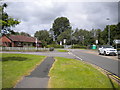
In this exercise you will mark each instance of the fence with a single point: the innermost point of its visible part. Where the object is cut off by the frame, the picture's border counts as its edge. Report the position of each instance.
(23, 49)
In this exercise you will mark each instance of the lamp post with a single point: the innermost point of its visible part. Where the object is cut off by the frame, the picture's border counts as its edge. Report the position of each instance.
(108, 33)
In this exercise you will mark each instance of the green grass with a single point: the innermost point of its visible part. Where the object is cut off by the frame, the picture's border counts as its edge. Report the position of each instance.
(62, 50)
(70, 73)
(0, 73)
(15, 66)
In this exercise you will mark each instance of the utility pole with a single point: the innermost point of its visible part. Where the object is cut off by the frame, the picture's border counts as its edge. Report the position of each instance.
(108, 33)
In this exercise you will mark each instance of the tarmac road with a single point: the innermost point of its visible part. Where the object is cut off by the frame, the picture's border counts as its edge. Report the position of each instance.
(103, 62)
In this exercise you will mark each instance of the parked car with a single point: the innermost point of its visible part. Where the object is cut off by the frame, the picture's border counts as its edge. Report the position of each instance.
(107, 50)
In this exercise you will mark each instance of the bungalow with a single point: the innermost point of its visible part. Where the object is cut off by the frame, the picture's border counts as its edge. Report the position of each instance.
(19, 41)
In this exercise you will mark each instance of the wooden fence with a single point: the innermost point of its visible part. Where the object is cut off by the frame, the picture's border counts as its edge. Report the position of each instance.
(23, 49)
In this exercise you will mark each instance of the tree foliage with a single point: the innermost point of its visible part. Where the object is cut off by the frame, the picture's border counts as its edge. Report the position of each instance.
(19, 33)
(6, 22)
(90, 36)
(60, 25)
(65, 35)
(44, 36)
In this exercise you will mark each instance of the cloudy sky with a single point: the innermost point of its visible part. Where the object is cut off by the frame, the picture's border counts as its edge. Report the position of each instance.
(39, 15)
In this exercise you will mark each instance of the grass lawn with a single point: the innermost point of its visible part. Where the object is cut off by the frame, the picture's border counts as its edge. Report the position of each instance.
(62, 50)
(70, 73)
(0, 74)
(14, 66)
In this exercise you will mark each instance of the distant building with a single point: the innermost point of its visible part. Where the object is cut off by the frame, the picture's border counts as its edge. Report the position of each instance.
(19, 41)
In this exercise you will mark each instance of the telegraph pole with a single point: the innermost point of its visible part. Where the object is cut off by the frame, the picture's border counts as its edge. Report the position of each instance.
(108, 33)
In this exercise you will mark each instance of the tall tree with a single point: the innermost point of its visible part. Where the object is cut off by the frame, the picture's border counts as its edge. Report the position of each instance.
(65, 35)
(43, 35)
(6, 22)
(60, 25)
(25, 34)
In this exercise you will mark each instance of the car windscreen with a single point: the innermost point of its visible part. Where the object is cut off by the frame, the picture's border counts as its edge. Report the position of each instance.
(108, 47)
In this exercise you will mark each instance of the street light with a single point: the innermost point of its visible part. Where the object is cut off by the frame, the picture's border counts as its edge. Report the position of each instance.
(108, 33)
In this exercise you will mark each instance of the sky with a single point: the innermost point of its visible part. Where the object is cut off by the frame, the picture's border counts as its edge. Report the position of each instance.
(40, 14)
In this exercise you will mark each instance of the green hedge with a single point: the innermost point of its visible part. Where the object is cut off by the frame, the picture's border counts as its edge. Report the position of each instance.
(78, 46)
(118, 49)
(55, 46)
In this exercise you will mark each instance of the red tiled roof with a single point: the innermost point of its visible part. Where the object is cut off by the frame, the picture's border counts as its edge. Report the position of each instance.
(22, 38)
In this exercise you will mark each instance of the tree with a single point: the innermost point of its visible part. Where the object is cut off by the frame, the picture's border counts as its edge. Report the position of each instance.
(25, 34)
(43, 35)
(19, 33)
(114, 33)
(82, 37)
(60, 25)
(6, 21)
(65, 35)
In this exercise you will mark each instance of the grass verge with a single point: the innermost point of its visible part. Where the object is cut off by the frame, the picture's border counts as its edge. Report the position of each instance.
(14, 66)
(70, 73)
(62, 50)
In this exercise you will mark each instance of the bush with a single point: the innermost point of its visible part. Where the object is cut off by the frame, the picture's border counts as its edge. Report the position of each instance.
(78, 46)
(55, 46)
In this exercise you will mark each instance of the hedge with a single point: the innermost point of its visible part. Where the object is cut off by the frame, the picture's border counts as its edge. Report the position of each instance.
(55, 46)
(78, 46)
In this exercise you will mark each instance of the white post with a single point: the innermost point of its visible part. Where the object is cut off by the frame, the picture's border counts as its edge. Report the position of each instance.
(64, 42)
(36, 43)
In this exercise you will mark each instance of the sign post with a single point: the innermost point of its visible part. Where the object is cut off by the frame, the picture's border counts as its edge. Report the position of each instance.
(64, 42)
(116, 42)
(36, 43)
(96, 42)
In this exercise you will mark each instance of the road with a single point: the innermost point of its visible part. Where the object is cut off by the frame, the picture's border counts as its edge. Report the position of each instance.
(108, 64)
(103, 62)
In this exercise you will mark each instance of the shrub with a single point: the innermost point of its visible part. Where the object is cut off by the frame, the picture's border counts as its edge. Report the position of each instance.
(55, 46)
(78, 46)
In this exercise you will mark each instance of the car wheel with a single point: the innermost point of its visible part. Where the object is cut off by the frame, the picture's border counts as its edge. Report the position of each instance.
(99, 52)
(105, 53)
(115, 54)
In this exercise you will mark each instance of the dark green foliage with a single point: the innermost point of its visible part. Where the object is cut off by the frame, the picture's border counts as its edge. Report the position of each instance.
(44, 36)
(19, 33)
(65, 35)
(55, 46)
(6, 21)
(60, 25)
(114, 34)
(79, 46)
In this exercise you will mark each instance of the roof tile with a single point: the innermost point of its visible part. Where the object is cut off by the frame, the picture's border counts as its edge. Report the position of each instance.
(22, 38)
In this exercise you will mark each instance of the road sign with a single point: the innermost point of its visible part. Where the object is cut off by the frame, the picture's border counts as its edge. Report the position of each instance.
(64, 41)
(96, 41)
(116, 41)
(60, 42)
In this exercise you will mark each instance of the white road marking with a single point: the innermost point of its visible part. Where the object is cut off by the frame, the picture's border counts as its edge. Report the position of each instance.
(75, 55)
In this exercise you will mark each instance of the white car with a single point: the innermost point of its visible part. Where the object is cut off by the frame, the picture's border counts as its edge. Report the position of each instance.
(107, 50)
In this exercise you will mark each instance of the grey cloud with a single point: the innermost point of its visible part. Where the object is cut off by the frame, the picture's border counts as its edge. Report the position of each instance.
(36, 16)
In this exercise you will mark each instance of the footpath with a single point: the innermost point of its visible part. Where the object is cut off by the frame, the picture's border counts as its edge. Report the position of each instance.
(39, 77)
